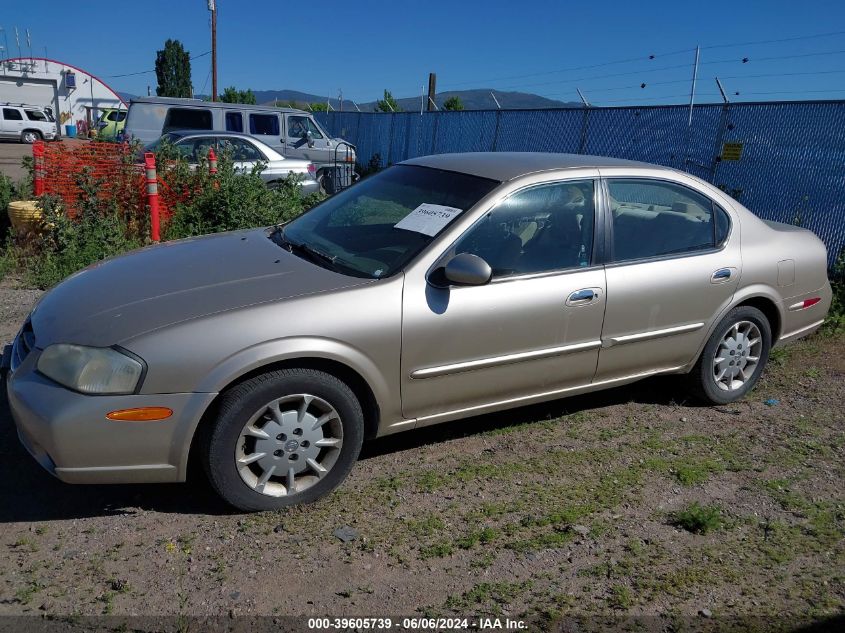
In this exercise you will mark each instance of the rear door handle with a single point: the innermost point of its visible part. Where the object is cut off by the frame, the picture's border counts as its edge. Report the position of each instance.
(582, 297)
(721, 275)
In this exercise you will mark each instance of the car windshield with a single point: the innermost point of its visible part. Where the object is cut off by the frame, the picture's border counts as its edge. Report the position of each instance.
(376, 227)
(169, 138)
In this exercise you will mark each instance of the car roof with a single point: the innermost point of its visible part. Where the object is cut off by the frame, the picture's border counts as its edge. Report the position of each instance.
(505, 166)
(183, 133)
(179, 101)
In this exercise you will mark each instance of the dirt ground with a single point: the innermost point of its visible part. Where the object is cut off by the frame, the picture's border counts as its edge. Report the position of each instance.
(569, 509)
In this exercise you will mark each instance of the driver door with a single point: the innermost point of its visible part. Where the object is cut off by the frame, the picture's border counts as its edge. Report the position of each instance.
(534, 330)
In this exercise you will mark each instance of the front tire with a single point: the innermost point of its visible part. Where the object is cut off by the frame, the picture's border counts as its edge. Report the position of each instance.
(30, 136)
(734, 357)
(282, 438)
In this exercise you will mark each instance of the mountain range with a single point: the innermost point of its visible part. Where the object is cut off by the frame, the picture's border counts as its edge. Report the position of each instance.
(477, 99)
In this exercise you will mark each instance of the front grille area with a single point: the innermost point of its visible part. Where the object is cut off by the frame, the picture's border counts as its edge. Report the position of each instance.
(24, 342)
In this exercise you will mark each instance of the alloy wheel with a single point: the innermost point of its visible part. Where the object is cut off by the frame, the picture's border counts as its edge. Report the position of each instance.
(289, 445)
(737, 356)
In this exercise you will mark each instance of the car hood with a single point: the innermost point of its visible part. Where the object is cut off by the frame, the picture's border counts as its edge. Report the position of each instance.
(125, 296)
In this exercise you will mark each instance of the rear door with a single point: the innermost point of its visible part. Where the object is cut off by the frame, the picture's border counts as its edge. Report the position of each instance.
(673, 267)
(13, 123)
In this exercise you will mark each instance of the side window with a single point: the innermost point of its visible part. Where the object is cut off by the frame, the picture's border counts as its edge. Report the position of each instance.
(111, 116)
(723, 225)
(121, 116)
(264, 124)
(544, 228)
(11, 114)
(240, 149)
(187, 119)
(299, 126)
(234, 122)
(653, 218)
(35, 115)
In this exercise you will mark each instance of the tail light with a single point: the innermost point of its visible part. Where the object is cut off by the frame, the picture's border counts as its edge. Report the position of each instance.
(312, 169)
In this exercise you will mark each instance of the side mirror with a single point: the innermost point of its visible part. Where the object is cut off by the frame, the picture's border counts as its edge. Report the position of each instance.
(309, 138)
(467, 269)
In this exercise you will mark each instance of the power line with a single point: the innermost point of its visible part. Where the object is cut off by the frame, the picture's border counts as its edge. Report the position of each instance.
(144, 72)
(651, 57)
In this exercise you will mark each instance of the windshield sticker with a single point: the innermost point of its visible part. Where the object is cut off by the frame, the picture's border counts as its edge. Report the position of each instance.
(428, 219)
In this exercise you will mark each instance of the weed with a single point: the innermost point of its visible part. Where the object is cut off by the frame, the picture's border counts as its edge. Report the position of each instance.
(698, 519)
(484, 536)
(621, 597)
(427, 526)
(437, 550)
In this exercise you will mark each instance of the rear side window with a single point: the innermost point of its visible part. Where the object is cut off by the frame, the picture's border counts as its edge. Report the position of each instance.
(653, 218)
(723, 225)
(10, 114)
(264, 124)
(234, 122)
(35, 115)
(116, 116)
(187, 119)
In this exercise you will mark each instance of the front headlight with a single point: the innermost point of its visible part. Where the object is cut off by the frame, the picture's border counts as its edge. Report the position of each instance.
(95, 370)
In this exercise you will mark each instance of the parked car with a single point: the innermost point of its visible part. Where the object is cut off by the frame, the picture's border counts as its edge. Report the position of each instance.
(26, 123)
(441, 288)
(111, 123)
(292, 133)
(246, 153)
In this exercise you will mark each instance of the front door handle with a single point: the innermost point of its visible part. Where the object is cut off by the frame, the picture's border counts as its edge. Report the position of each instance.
(582, 297)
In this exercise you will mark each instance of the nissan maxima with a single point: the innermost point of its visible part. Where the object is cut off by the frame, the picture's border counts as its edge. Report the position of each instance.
(438, 289)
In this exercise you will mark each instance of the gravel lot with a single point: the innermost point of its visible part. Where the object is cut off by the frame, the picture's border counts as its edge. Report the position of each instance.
(547, 512)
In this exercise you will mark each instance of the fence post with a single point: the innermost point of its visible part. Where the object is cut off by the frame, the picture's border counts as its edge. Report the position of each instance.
(212, 161)
(152, 195)
(38, 168)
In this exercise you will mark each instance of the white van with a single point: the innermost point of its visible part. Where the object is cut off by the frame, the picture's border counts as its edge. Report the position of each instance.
(27, 123)
(291, 132)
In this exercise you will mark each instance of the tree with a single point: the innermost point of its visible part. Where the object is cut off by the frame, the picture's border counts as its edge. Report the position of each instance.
(233, 95)
(319, 107)
(453, 103)
(388, 104)
(173, 70)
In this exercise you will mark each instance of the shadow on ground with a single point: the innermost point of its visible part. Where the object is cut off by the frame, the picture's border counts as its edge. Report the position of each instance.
(31, 494)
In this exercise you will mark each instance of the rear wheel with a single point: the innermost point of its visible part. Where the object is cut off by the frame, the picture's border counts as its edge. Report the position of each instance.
(733, 358)
(283, 438)
(30, 136)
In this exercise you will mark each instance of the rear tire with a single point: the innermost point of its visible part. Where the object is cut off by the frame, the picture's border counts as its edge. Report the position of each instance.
(734, 357)
(283, 438)
(30, 136)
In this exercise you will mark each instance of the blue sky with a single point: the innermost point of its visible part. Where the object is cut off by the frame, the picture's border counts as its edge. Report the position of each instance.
(364, 46)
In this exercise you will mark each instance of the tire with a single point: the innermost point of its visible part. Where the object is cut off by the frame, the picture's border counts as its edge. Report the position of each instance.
(30, 136)
(324, 179)
(293, 440)
(736, 337)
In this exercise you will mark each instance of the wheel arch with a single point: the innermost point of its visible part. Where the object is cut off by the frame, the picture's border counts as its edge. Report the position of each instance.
(38, 133)
(350, 376)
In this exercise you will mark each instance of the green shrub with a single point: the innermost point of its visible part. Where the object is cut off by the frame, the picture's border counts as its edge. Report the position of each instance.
(698, 519)
(836, 317)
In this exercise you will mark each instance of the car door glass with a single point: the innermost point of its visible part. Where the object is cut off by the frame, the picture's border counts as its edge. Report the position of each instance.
(35, 115)
(187, 119)
(234, 122)
(540, 229)
(299, 126)
(187, 149)
(10, 114)
(240, 150)
(654, 218)
(267, 124)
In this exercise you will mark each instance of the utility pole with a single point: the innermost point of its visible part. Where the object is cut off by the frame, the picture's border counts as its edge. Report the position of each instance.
(432, 88)
(212, 6)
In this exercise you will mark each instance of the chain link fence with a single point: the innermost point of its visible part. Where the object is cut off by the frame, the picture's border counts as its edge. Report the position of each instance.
(783, 160)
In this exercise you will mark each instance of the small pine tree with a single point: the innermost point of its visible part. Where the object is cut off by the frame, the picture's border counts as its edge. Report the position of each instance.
(388, 104)
(173, 70)
(453, 103)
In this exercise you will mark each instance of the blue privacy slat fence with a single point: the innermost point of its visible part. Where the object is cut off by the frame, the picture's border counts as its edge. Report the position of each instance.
(792, 167)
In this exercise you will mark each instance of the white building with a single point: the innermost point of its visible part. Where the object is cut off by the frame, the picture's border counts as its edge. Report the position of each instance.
(76, 97)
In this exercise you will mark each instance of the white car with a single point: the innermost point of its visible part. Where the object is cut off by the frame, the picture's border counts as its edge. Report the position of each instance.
(246, 152)
(26, 123)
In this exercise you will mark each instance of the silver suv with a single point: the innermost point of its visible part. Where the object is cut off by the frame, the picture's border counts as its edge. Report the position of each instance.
(26, 123)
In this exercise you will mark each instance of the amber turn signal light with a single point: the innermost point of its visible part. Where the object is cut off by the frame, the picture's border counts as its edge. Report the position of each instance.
(142, 414)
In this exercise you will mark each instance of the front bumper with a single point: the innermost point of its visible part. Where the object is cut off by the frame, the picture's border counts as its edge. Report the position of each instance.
(69, 435)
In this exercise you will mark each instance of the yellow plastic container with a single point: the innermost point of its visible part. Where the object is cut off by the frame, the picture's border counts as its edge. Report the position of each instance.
(25, 215)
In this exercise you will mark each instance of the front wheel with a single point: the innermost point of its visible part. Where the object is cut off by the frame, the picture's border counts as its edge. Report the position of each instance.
(733, 358)
(30, 136)
(282, 438)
